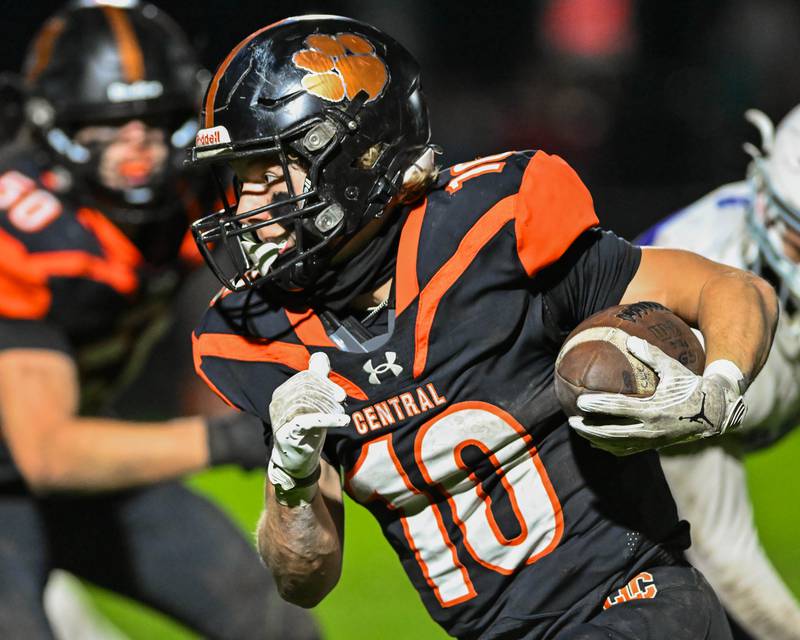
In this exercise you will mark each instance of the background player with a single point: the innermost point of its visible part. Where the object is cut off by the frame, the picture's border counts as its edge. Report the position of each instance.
(438, 324)
(753, 224)
(95, 211)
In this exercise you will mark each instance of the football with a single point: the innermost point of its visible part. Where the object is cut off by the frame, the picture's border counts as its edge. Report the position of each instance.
(594, 357)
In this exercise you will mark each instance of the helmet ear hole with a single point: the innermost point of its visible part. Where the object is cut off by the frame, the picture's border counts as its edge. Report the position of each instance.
(370, 157)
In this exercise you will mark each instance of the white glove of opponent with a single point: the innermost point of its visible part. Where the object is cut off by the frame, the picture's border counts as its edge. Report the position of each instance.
(301, 411)
(684, 407)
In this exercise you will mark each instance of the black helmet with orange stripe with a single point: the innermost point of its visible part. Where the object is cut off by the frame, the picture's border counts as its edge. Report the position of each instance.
(98, 63)
(335, 95)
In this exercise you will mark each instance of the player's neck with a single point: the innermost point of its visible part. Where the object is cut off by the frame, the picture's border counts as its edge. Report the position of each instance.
(373, 298)
(357, 243)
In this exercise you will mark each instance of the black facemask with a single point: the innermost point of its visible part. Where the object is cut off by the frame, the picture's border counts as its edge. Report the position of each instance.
(338, 285)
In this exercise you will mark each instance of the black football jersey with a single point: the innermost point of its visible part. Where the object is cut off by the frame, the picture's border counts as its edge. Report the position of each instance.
(72, 281)
(505, 520)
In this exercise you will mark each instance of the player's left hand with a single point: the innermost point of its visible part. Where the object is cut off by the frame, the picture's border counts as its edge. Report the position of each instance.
(684, 407)
(301, 411)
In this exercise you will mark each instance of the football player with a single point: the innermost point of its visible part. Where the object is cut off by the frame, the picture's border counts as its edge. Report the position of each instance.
(94, 214)
(752, 224)
(398, 330)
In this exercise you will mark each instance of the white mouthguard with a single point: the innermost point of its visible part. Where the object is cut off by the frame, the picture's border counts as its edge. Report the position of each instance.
(262, 254)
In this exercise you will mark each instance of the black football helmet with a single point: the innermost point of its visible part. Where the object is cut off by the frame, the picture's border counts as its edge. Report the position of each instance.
(97, 63)
(323, 90)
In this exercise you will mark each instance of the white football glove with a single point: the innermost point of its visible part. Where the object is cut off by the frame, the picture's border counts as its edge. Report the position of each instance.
(684, 407)
(301, 411)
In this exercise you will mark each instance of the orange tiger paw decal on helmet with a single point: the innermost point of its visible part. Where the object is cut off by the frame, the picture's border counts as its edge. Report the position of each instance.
(341, 66)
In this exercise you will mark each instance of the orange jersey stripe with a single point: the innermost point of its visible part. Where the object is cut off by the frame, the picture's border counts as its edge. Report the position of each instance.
(350, 388)
(116, 268)
(43, 48)
(553, 209)
(79, 264)
(475, 239)
(294, 356)
(24, 293)
(234, 347)
(130, 53)
(115, 244)
(20, 301)
(197, 357)
(406, 284)
(309, 329)
(213, 86)
(30, 271)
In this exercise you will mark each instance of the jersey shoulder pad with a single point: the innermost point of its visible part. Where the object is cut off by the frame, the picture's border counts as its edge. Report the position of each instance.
(244, 348)
(501, 174)
(536, 199)
(714, 226)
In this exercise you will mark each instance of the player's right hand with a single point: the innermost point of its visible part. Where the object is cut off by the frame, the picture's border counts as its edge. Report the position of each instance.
(684, 407)
(301, 411)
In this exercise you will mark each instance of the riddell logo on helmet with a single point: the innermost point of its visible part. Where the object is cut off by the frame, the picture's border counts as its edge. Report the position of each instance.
(214, 135)
(341, 66)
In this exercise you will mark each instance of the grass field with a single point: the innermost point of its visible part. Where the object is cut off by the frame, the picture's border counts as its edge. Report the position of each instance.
(374, 599)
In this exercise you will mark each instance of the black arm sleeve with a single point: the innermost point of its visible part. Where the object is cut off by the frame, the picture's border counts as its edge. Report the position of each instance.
(32, 334)
(592, 275)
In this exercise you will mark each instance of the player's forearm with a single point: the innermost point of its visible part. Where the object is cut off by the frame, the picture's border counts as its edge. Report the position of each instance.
(95, 454)
(302, 547)
(737, 314)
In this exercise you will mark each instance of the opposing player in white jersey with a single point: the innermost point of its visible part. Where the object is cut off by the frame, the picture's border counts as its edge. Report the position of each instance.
(752, 224)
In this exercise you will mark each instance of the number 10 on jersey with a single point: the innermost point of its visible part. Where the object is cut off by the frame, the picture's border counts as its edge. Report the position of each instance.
(438, 454)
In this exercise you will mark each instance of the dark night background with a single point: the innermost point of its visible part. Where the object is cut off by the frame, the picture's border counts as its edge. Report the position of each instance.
(645, 99)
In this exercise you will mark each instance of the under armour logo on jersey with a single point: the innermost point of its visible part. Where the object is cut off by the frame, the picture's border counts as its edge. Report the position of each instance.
(389, 365)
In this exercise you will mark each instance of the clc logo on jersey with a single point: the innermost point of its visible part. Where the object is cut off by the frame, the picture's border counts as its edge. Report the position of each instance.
(390, 366)
(641, 587)
(341, 66)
